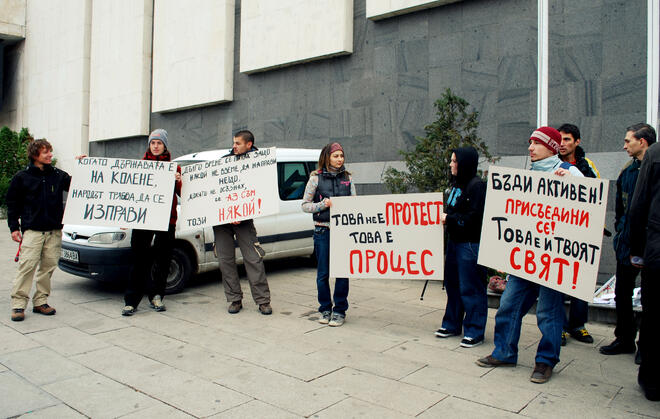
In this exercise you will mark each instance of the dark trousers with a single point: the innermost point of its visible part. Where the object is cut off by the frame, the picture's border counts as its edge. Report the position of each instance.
(626, 329)
(649, 344)
(578, 314)
(340, 296)
(465, 282)
(142, 280)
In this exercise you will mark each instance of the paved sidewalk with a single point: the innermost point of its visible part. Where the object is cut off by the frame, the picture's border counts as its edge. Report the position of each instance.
(197, 360)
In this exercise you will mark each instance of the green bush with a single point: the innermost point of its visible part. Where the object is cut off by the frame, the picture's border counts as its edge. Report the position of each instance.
(13, 157)
(428, 164)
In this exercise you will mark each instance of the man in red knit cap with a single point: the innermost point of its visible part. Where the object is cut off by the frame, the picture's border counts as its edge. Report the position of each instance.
(520, 294)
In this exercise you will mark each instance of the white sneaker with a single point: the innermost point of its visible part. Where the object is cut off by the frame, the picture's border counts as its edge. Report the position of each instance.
(336, 320)
(325, 317)
(128, 310)
(157, 304)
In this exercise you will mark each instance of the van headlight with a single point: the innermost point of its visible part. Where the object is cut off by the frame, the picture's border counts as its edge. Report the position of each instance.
(107, 238)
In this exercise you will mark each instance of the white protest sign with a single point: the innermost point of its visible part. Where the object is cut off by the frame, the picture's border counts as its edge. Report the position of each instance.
(121, 193)
(387, 236)
(232, 188)
(545, 228)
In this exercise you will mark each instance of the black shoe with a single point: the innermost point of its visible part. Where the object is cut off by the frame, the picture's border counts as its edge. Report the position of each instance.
(444, 333)
(651, 393)
(582, 335)
(617, 347)
(638, 358)
(563, 338)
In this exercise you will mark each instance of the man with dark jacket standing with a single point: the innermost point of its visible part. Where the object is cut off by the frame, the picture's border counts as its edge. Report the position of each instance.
(638, 139)
(571, 152)
(35, 206)
(253, 253)
(645, 254)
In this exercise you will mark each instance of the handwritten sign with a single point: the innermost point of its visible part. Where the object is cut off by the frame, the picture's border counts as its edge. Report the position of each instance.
(121, 193)
(229, 189)
(387, 236)
(545, 228)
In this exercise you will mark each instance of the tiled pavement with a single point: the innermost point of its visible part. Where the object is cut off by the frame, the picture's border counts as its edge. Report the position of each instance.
(197, 360)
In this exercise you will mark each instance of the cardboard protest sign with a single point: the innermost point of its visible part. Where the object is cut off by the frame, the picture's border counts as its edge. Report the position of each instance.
(387, 236)
(545, 228)
(121, 193)
(232, 188)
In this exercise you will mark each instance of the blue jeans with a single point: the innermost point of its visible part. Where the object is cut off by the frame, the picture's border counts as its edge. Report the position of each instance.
(465, 282)
(518, 297)
(322, 251)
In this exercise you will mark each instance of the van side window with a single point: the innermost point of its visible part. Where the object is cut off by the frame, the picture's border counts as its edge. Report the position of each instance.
(292, 179)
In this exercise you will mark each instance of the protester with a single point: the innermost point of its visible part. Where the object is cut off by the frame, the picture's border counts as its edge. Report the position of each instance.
(330, 180)
(571, 152)
(35, 206)
(645, 254)
(636, 142)
(520, 295)
(142, 279)
(464, 280)
(253, 253)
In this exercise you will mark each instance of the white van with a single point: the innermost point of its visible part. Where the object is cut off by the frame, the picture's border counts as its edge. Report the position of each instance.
(105, 253)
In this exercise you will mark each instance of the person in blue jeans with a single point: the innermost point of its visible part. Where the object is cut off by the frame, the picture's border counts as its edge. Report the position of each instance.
(330, 180)
(464, 280)
(520, 294)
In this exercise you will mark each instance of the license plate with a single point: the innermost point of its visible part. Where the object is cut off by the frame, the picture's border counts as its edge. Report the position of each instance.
(70, 255)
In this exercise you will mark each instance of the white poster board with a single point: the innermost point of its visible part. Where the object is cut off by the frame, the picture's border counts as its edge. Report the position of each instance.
(121, 193)
(229, 189)
(387, 236)
(545, 228)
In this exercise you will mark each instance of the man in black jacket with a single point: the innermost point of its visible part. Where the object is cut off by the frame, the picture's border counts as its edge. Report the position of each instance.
(35, 206)
(571, 152)
(645, 254)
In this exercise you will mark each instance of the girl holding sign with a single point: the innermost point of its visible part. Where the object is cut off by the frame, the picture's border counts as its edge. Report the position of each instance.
(142, 281)
(330, 180)
(465, 281)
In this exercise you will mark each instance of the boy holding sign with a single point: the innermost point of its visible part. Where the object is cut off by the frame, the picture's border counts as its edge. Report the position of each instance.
(520, 294)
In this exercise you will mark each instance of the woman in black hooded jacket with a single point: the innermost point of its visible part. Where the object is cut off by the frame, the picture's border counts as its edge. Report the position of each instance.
(465, 281)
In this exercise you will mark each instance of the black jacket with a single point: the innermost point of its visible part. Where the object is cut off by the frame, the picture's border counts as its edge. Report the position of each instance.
(466, 199)
(644, 210)
(35, 199)
(582, 164)
(330, 184)
(238, 156)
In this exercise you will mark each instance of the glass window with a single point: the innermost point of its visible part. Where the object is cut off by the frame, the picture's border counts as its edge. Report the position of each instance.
(292, 179)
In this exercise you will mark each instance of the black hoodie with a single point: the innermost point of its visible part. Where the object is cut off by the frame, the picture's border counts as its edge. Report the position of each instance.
(466, 199)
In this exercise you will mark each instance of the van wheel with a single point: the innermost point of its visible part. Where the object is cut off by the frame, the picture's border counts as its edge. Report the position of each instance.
(180, 271)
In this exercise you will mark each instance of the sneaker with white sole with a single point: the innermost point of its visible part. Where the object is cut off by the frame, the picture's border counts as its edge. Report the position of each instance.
(336, 320)
(325, 317)
(444, 333)
(157, 304)
(128, 310)
(467, 342)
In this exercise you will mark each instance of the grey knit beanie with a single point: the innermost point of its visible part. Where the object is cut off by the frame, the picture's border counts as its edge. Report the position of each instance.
(158, 134)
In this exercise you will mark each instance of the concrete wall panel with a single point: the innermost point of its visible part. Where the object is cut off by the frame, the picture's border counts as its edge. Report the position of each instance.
(284, 32)
(193, 53)
(12, 19)
(56, 75)
(380, 9)
(120, 69)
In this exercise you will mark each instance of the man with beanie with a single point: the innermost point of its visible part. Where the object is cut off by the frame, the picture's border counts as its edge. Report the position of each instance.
(571, 152)
(638, 139)
(253, 253)
(520, 294)
(645, 254)
(35, 206)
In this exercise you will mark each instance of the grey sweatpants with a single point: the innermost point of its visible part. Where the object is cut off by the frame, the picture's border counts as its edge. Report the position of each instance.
(253, 254)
